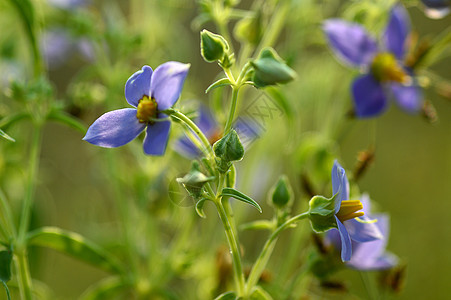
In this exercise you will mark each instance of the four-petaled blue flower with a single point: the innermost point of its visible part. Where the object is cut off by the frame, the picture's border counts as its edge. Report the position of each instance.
(246, 129)
(150, 93)
(370, 255)
(385, 75)
(437, 9)
(346, 212)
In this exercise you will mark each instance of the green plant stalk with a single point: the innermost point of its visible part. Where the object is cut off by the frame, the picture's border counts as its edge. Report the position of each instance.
(8, 229)
(8, 296)
(31, 184)
(194, 128)
(21, 243)
(266, 252)
(23, 272)
(234, 247)
(232, 109)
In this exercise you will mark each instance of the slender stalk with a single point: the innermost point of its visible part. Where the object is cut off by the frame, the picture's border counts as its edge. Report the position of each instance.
(267, 250)
(31, 184)
(228, 125)
(234, 248)
(8, 229)
(23, 271)
(194, 128)
(8, 296)
(21, 247)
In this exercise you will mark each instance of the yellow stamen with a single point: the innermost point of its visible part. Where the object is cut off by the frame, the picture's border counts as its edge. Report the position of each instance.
(146, 110)
(386, 68)
(349, 209)
(366, 221)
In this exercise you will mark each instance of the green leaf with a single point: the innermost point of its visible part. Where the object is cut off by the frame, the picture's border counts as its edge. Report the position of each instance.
(258, 225)
(6, 257)
(6, 136)
(260, 294)
(218, 83)
(67, 120)
(105, 289)
(227, 296)
(200, 207)
(229, 192)
(75, 245)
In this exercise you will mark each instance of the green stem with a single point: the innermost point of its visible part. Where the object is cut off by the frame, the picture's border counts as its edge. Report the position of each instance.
(31, 184)
(8, 228)
(193, 127)
(264, 256)
(228, 125)
(24, 275)
(234, 248)
(8, 296)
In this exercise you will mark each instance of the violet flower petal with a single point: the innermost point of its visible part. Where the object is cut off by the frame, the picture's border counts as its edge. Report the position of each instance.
(138, 85)
(409, 98)
(340, 184)
(185, 147)
(397, 30)
(167, 82)
(363, 232)
(157, 136)
(114, 128)
(351, 42)
(346, 247)
(369, 97)
(206, 121)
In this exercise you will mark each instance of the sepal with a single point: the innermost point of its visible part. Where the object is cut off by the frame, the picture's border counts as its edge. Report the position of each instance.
(213, 47)
(227, 150)
(322, 213)
(270, 69)
(194, 181)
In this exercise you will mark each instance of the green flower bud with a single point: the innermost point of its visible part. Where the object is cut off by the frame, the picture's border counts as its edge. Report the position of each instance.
(270, 69)
(194, 180)
(228, 149)
(322, 213)
(282, 193)
(213, 47)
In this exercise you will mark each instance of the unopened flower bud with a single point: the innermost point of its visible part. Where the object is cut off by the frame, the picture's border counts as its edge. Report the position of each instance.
(213, 47)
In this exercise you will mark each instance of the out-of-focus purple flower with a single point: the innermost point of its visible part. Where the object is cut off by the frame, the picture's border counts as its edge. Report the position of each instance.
(370, 255)
(385, 74)
(150, 93)
(58, 46)
(67, 4)
(437, 9)
(246, 129)
(346, 212)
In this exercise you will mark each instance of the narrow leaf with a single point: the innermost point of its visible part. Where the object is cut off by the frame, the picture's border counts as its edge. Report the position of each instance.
(240, 196)
(219, 83)
(200, 207)
(258, 225)
(67, 120)
(260, 294)
(75, 245)
(105, 289)
(227, 296)
(6, 136)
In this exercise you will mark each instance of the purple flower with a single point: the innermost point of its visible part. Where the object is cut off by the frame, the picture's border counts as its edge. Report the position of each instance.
(150, 93)
(346, 212)
(437, 9)
(385, 75)
(246, 129)
(370, 255)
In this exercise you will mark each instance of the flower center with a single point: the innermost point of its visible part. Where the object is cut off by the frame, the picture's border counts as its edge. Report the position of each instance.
(349, 210)
(147, 110)
(386, 68)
